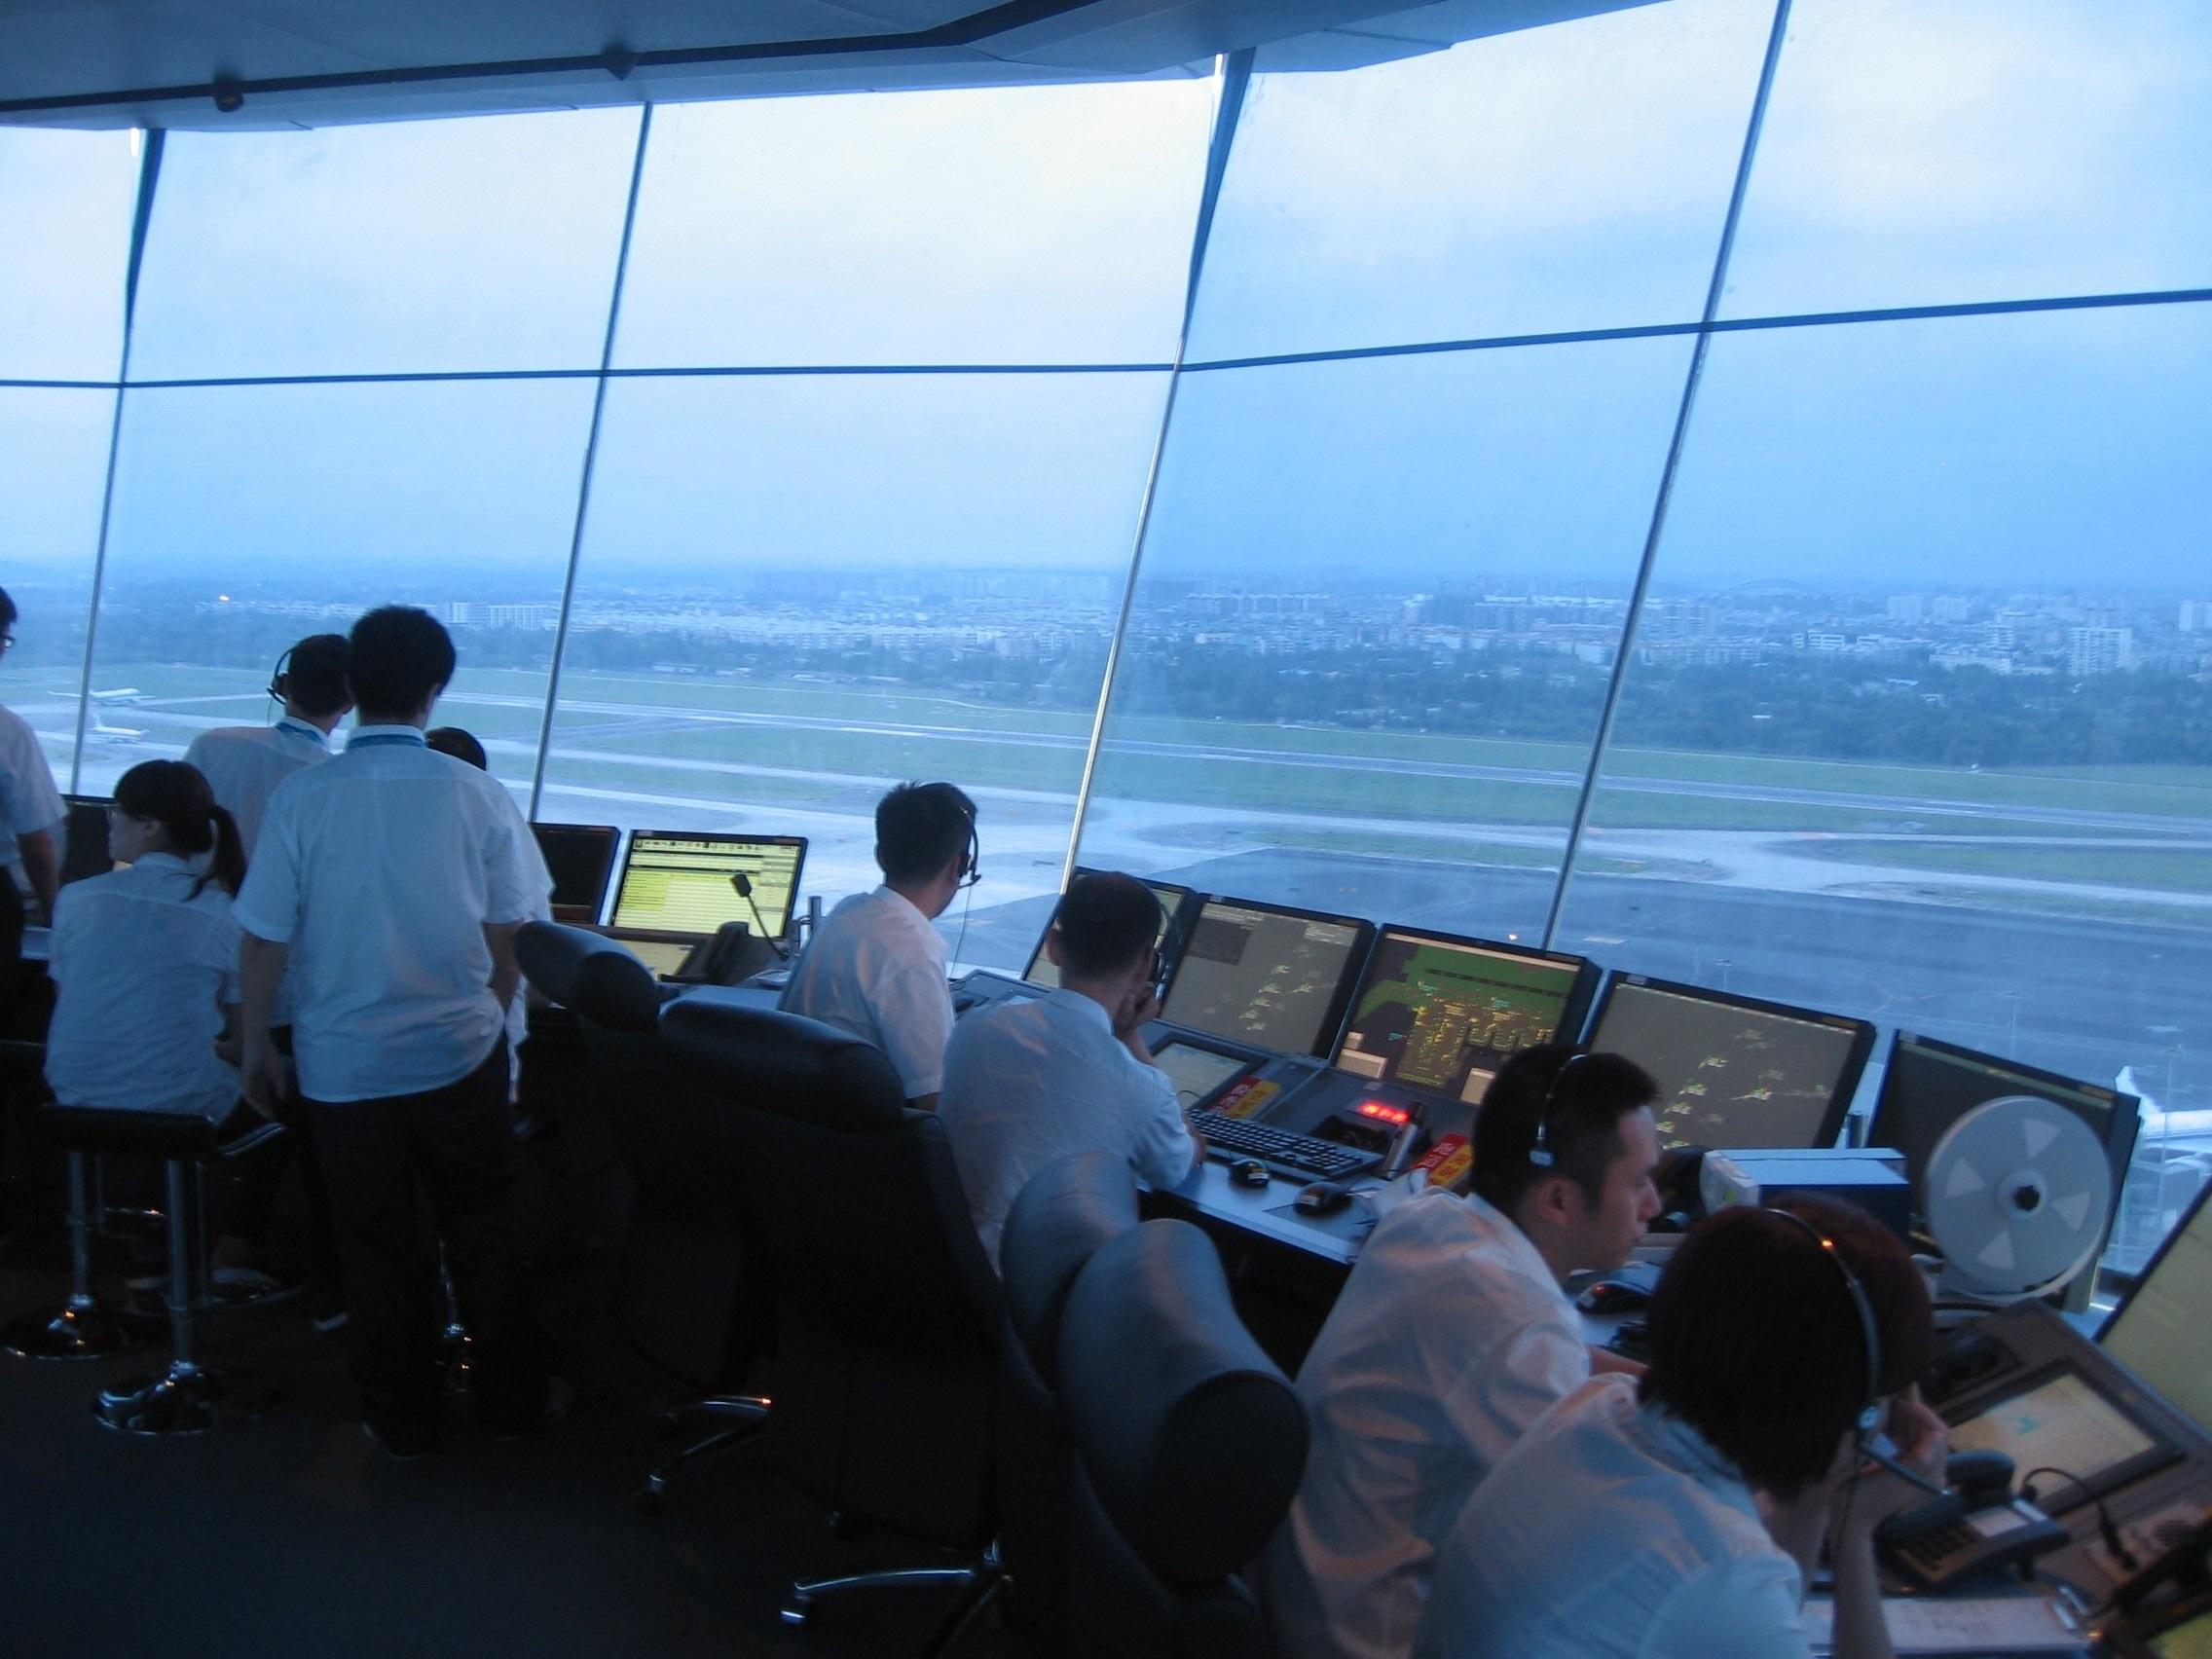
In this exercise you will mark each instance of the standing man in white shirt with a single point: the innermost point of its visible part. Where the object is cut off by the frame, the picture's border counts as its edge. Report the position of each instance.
(1030, 1081)
(875, 967)
(389, 879)
(243, 764)
(1452, 1336)
(30, 806)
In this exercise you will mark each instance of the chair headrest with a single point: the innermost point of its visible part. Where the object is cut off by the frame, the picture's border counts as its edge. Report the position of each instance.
(1192, 1438)
(782, 1063)
(589, 973)
(1060, 1217)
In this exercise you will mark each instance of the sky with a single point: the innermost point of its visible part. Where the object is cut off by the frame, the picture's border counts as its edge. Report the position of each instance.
(1916, 152)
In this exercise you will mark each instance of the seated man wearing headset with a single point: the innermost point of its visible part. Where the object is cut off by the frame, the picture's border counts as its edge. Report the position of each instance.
(875, 967)
(1681, 1514)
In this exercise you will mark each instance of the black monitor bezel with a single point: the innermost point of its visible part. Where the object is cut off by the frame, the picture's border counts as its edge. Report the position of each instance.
(1854, 1057)
(1171, 942)
(1572, 1011)
(2157, 1260)
(607, 866)
(71, 804)
(1331, 1029)
(799, 867)
(2118, 1137)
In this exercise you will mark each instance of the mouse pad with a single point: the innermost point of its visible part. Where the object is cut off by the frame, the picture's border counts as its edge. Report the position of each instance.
(1353, 1223)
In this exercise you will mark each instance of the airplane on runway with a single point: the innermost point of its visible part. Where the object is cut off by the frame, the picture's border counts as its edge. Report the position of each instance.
(100, 731)
(128, 696)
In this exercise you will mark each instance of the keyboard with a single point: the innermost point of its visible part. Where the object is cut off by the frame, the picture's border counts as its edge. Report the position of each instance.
(1307, 1158)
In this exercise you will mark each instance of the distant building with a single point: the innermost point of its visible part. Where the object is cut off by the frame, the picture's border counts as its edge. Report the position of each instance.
(2099, 650)
(2195, 616)
(1906, 608)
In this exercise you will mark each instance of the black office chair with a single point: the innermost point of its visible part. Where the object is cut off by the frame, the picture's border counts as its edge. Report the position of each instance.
(887, 1311)
(693, 1293)
(1058, 1221)
(1189, 1446)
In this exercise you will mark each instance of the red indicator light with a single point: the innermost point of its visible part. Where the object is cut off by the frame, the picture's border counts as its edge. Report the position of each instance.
(1388, 1113)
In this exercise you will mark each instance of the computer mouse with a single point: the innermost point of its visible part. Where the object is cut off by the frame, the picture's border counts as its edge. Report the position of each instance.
(1323, 1197)
(1250, 1172)
(1613, 1296)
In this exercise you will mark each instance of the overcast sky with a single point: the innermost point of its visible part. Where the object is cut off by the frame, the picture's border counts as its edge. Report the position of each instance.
(1567, 179)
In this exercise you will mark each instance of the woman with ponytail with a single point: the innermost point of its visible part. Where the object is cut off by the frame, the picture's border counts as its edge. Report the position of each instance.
(145, 958)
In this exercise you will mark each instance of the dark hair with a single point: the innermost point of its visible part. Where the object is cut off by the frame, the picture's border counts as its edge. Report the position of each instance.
(175, 795)
(920, 829)
(397, 659)
(1582, 1127)
(1105, 924)
(6, 611)
(460, 745)
(315, 675)
(1757, 1344)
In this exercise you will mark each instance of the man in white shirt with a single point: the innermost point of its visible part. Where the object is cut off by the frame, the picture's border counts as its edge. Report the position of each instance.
(29, 805)
(389, 878)
(243, 764)
(1030, 1081)
(1679, 1516)
(875, 967)
(1449, 1339)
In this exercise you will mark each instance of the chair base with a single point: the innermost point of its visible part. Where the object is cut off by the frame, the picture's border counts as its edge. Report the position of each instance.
(746, 1412)
(799, 1606)
(183, 1400)
(84, 1328)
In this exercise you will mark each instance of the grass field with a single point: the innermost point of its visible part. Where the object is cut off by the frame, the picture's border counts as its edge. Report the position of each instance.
(1302, 770)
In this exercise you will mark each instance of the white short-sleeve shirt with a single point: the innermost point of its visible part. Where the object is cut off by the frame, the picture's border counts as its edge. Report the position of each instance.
(380, 869)
(244, 765)
(143, 969)
(1028, 1082)
(29, 801)
(875, 968)
(1613, 1530)
(1450, 1339)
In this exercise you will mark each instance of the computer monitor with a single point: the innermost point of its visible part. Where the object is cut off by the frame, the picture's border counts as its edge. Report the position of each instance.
(1442, 1013)
(2159, 1331)
(1734, 1071)
(1267, 976)
(678, 881)
(1198, 1074)
(1930, 1084)
(2060, 1417)
(84, 837)
(580, 858)
(1169, 941)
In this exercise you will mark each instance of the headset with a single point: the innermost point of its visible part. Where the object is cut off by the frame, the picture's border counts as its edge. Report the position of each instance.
(1539, 1150)
(973, 870)
(276, 675)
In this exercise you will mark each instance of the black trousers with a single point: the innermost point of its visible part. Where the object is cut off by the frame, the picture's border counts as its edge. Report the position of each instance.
(380, 1159)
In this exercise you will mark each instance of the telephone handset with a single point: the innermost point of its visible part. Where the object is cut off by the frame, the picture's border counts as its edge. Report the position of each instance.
(1976, 1524)
(730, 956)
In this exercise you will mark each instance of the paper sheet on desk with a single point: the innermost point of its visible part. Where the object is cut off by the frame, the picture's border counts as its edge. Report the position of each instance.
(1985, 1625)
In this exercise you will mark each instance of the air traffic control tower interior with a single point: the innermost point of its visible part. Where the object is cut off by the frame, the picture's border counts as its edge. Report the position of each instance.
(1679, 525)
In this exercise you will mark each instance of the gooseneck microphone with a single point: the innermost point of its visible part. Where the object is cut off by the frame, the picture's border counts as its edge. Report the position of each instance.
(743, 885)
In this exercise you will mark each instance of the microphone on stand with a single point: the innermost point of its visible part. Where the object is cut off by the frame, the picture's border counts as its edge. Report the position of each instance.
(743, 885)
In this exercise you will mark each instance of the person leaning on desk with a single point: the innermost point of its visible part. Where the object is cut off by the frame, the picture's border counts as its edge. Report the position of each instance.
(1680, 1515)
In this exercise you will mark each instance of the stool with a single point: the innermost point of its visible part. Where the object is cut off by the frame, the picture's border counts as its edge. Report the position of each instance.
(184, 1398)
(84, 1328)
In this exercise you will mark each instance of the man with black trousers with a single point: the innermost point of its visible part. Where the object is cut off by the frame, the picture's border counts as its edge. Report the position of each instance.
(393, 881)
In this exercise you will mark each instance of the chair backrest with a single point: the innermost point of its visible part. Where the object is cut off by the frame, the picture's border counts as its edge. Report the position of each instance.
(1060, 1218)
(1189, 1446)
(886, 1308)
(694, 1296)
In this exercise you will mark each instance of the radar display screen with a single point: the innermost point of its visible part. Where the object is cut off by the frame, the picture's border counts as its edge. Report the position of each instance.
(1444, 1013)
(1733, 1072)
(1275, 978)
(679, 881)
